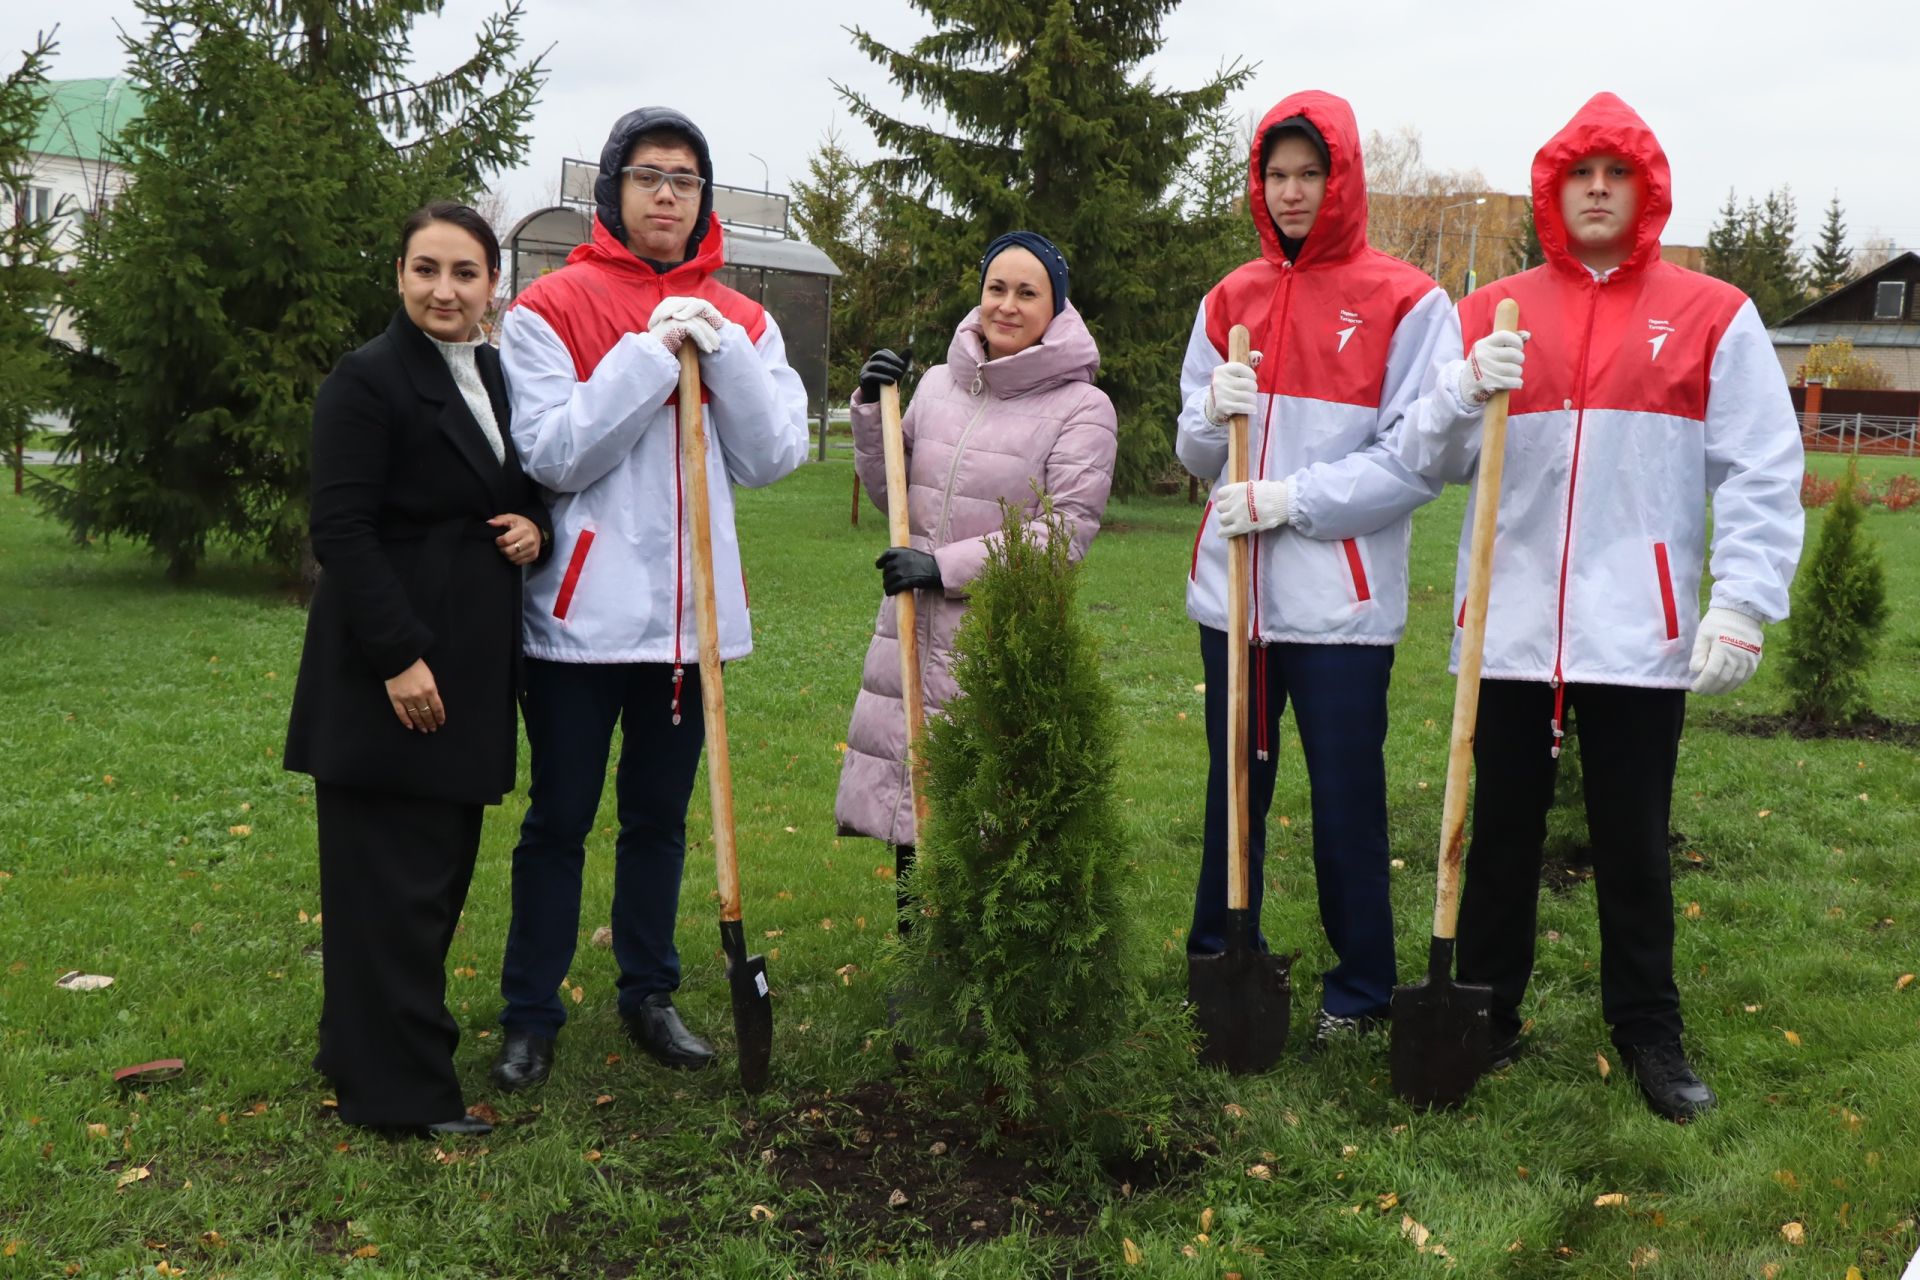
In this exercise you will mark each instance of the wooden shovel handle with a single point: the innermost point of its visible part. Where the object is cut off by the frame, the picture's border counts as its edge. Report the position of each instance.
(1473, 636)
(1239, 658)
(713, 698)
(905, 604)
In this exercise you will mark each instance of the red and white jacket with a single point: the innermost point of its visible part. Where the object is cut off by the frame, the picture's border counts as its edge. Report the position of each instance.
(1346, 334)
(1648, 390)
(596, 421)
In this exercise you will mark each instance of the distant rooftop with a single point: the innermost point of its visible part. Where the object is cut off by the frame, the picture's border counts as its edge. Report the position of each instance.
(82, 116)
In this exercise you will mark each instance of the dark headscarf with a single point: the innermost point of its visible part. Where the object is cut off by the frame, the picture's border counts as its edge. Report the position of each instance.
(1040, 247)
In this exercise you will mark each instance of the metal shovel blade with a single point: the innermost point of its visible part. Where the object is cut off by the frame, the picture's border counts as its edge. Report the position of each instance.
(752, 1007)
(1242, 1001)
(1440, 1037)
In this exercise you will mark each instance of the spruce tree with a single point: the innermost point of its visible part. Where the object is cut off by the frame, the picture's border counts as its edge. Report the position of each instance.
(1751, 247)
(1050, 126)
(837, 209)
(1017, 981)
(30, 369)
(282, 144)
(1839, 611)
(1831, 264)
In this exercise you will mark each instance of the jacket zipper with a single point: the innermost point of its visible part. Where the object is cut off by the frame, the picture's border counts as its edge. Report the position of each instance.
(1566, 539)
(953, 468)
(1277, 330)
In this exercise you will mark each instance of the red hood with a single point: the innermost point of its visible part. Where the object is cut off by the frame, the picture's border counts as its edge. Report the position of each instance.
(1609, 125)
(708, 258)
(1340, 231)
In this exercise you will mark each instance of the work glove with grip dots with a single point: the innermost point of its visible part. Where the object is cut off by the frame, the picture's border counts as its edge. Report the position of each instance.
(1493, 365)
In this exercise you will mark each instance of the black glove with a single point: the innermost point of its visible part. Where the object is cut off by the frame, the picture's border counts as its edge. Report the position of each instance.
(904, 569)
(882, 369)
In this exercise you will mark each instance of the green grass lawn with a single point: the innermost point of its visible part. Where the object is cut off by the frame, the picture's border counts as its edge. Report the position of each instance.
(147, 832)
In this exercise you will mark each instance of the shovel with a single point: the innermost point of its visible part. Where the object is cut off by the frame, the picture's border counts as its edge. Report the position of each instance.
(905, 604)
(746, 975)
(1440, 1027)
(1241, 998)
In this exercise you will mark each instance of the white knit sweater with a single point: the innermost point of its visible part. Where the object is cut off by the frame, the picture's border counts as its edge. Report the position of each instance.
(466, 376)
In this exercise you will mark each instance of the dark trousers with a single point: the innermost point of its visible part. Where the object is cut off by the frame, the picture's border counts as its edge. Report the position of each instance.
(1629, 745)
(394, 872)
(570, 709)
(1339, 694)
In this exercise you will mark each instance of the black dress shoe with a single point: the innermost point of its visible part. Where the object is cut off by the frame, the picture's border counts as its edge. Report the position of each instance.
(1670, 1086)
(523, 1061)
(657, 1029)
(1501, 1055)
(464, 1127)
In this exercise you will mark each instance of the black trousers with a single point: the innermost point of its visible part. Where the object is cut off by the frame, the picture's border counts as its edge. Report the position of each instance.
(1629, 746)
(394, 872)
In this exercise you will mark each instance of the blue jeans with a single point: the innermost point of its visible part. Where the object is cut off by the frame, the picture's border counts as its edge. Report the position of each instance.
(570, 710)
(1339, 694)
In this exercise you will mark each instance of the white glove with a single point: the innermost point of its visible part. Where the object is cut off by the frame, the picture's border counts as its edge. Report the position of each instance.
(1233, 391)
(685, 308)
(1250, 507)
(1726, 653)
(674, 332)
(1493, 365)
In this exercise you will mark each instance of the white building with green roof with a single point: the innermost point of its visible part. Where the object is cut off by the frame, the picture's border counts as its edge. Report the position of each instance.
(74, 169)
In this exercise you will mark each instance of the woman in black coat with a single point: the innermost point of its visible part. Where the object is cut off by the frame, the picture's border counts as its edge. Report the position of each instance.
(404, 712)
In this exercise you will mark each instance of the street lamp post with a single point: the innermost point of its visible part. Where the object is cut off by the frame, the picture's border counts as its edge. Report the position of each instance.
(1441, 234)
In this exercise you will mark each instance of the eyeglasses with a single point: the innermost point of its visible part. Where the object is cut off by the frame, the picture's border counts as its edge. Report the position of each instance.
(685, 186)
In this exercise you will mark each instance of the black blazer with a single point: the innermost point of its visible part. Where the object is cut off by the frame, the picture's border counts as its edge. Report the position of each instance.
(403, 484)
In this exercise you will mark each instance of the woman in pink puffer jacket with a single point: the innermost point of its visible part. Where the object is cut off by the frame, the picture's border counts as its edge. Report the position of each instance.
(1012, 409)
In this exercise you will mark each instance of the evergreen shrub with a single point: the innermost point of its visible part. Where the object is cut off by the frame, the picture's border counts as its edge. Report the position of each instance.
(1017, 985)
(1839, 611)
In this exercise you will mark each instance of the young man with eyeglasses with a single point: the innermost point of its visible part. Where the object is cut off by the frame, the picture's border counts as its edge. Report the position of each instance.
(591, 358)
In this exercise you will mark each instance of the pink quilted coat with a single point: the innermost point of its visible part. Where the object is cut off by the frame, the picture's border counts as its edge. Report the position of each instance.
(978, 431)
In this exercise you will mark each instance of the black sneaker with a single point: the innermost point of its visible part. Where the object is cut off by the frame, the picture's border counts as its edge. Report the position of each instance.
(1328, 1027)
(1670, 1086)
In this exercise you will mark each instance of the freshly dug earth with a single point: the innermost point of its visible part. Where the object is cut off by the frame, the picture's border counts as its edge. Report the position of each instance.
(1865, 728)
(900, 1176)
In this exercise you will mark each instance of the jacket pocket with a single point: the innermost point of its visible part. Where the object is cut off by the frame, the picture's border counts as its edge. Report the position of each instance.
(1666, 590)
(1193, 569)
(1357, 569)
(563, 601)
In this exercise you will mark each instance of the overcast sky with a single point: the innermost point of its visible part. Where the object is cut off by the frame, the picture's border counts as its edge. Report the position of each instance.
(1749, 95)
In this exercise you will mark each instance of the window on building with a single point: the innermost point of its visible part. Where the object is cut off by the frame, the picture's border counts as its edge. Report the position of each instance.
(39, 203)
(1890, 300)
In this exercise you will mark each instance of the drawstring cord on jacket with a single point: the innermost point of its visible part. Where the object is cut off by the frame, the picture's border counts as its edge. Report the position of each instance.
(1260, 700)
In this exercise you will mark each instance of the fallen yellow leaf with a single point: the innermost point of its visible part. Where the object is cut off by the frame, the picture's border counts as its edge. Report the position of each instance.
(1206, 1221)
(1387, 1200)
(1645, 1256)
(760, 1213)
(1611, 1200)
(1853, 1273)
(1234, 1111)
(1606, 1068)
(1793, 1038)
(96, 1131)
(131, 1176)
(240, 829)
(1260, 1171)
(1793, 1233)
(1904, 981)
(1693, 911)
(846, 972)
(367, 1251)
(1131, 1252)
(578, 994)
(592, 1157)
